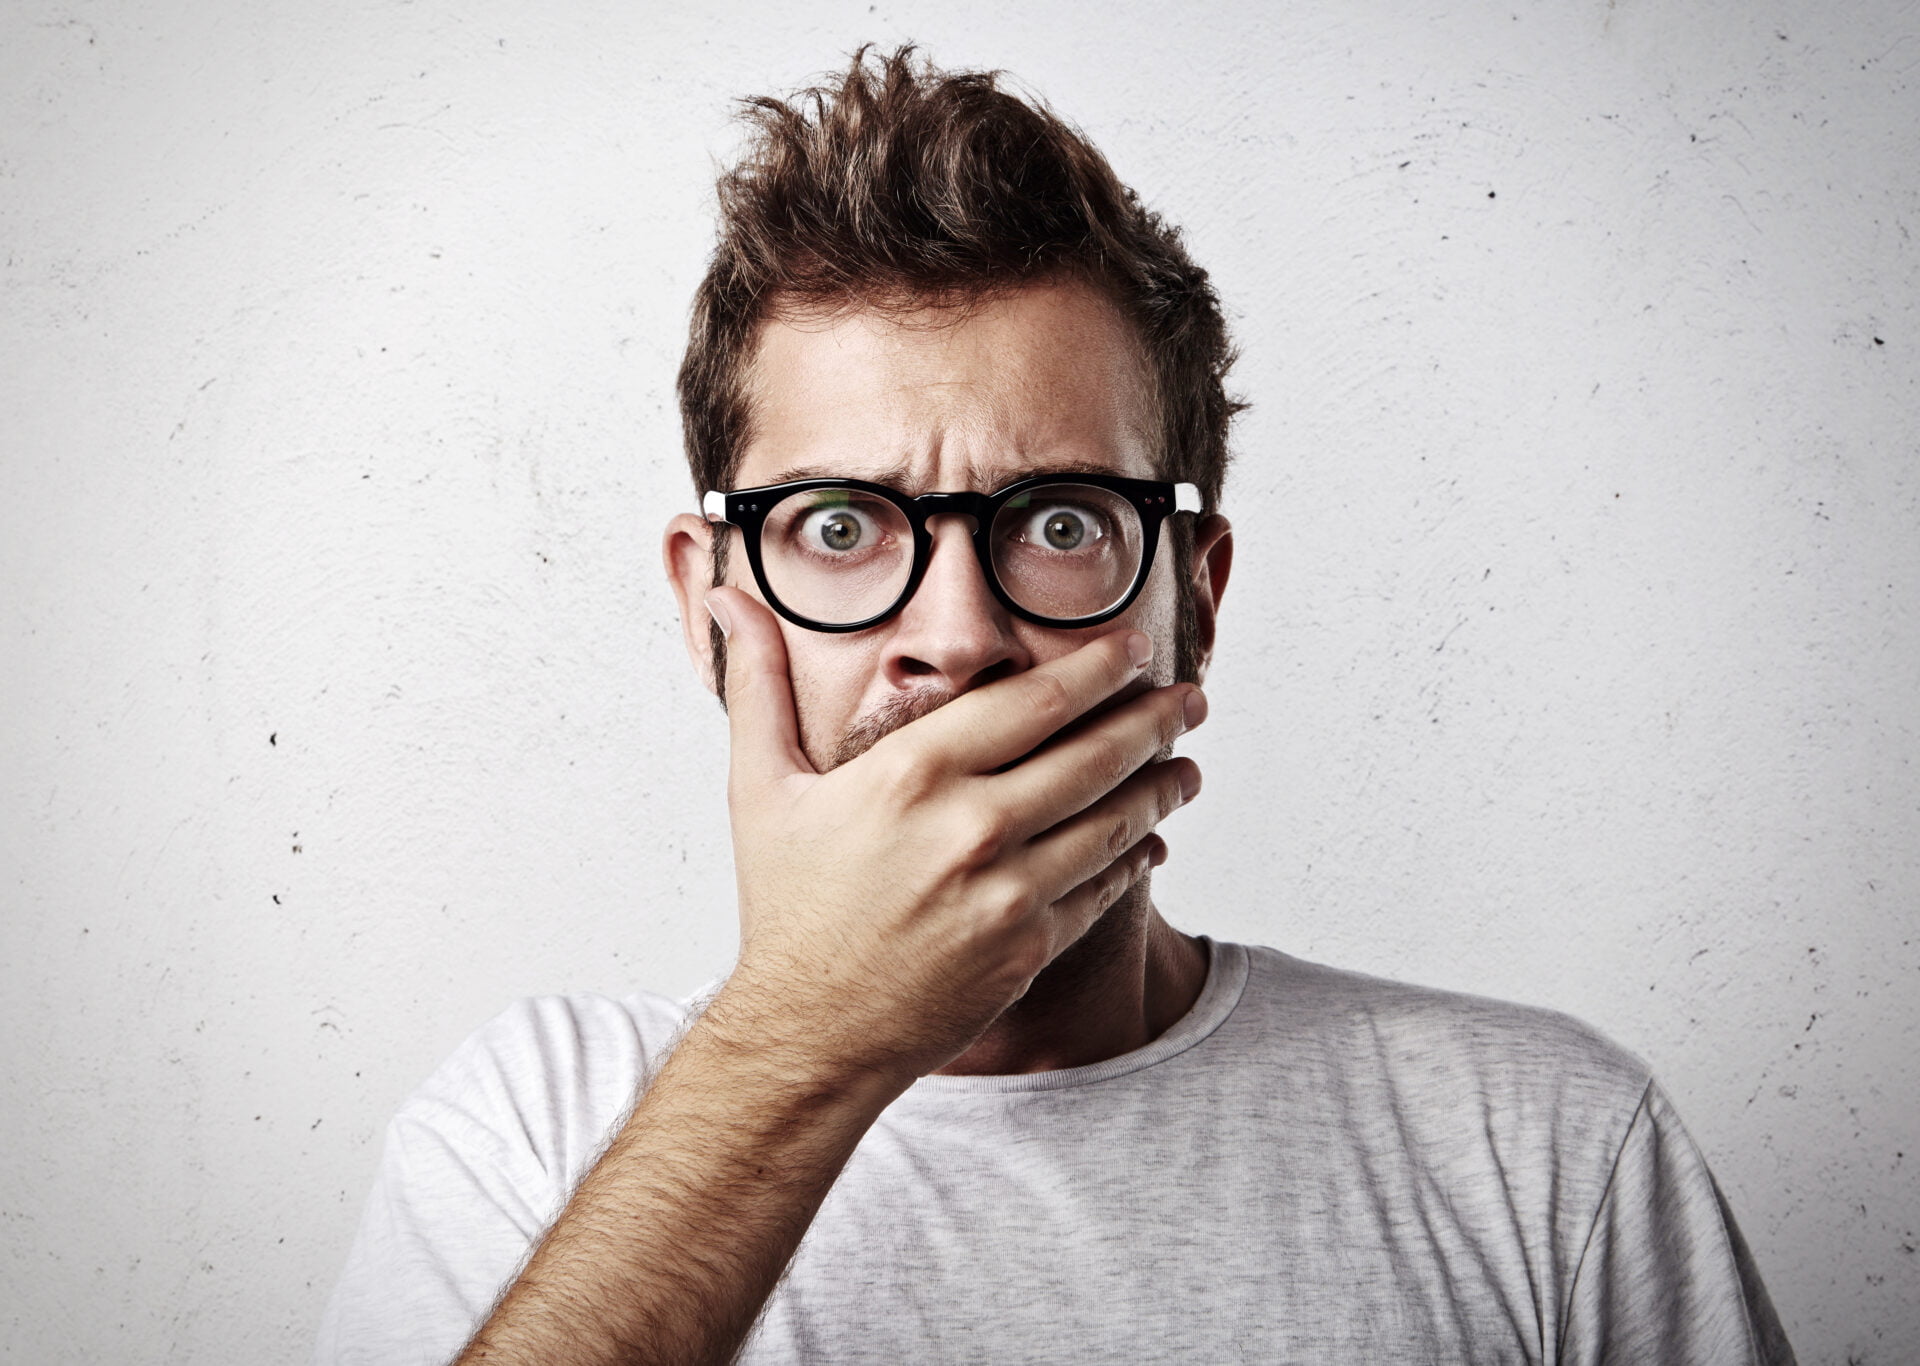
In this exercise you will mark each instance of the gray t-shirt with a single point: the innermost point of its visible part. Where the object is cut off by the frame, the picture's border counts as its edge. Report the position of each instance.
(1311, 1166)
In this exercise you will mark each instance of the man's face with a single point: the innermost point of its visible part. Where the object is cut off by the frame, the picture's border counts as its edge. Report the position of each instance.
(1046, 378)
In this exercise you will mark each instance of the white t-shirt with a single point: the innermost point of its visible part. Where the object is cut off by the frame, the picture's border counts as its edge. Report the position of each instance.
(1311, 1166)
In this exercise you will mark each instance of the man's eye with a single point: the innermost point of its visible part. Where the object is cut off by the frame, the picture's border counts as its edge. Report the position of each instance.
(1063, 527)
(837, 529)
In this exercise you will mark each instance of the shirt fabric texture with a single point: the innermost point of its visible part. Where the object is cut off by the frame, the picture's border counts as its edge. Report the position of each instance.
(1310, 1166)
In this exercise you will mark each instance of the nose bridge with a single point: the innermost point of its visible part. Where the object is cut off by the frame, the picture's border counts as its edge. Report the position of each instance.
(952, 550)
(971, 506)
(966, 512)
(953, 625)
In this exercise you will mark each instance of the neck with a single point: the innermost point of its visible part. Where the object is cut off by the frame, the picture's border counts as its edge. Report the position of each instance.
(1123, 984)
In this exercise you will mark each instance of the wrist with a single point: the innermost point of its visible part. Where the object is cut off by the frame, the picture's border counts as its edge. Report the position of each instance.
(756, 1029)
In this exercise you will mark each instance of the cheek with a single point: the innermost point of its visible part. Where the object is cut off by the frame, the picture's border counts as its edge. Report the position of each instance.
(1156, 612)
(832, 677)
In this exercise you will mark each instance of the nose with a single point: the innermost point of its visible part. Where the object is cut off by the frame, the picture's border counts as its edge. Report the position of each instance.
(953, 631)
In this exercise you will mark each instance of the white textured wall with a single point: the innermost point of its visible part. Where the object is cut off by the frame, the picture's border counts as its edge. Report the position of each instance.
(1572, 654)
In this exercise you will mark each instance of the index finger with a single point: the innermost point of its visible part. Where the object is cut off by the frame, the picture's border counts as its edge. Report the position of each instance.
(992, 726)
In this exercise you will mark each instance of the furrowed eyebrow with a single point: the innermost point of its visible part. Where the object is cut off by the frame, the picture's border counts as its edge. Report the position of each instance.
(903, 478)
(794, 473)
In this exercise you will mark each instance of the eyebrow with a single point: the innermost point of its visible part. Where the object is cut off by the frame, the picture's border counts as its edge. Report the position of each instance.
(902, 477)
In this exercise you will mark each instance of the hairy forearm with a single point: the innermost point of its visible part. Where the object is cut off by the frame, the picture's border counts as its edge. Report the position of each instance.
(674, 1240)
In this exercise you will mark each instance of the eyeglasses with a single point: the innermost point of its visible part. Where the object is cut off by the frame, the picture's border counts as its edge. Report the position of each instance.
(1056, 549)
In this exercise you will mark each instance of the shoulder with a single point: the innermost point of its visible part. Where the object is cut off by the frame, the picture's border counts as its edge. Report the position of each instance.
(479, 1159)
(1525, 1133)
(575, 1033)
(546, 1079)
(1517, 1114)
(1449, 1048)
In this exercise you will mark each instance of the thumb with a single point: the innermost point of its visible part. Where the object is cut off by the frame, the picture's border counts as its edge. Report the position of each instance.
(762, 726)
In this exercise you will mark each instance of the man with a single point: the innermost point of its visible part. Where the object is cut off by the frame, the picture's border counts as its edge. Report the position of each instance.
(954, 407)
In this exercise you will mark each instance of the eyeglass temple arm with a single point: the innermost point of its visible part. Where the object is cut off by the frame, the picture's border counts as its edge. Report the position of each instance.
(714, 504)
(1186, 498)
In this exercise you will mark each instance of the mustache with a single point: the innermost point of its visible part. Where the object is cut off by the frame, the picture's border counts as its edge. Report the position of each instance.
(906, 708)
(895, 712)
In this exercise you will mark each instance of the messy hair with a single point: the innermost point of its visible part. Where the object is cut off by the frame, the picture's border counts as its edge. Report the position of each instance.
(897, 186)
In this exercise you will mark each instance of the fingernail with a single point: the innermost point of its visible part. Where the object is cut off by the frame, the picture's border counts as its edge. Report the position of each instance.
(1139, 649)
(1194, 709)
(1189, 784)
(1158, 856)
(718, 611)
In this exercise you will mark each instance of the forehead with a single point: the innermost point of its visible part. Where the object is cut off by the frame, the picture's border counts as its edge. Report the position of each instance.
(1045, 377)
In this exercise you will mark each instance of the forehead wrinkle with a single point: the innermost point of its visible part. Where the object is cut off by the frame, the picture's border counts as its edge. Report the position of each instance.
(981, 477)
(978, 429)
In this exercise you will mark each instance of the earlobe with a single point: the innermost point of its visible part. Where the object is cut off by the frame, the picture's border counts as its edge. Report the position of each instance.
(687, 553)
(1212, 565)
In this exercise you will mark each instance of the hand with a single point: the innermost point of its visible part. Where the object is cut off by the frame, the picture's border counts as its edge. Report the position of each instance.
(892, 908)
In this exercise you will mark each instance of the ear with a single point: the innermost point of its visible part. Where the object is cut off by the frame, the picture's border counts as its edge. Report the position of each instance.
(1212, 563)
(687, 550)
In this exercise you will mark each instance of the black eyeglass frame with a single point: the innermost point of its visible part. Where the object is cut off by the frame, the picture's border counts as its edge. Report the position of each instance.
(1154, 499)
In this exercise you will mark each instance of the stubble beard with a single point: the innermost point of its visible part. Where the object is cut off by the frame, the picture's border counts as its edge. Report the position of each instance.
(869, 730)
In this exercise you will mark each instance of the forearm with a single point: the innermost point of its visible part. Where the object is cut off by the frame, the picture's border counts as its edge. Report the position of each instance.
(673, 1242)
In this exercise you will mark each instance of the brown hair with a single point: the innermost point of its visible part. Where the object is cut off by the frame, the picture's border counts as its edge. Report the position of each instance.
(901, 186)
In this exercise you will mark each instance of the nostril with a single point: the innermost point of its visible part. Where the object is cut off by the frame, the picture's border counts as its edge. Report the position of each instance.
(916, 667)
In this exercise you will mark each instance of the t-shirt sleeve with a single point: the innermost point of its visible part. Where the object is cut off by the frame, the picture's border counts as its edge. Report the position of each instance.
(475, 1166)
(1666, 1279)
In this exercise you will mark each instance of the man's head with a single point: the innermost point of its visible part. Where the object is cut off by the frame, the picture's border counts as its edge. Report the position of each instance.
(925, 281)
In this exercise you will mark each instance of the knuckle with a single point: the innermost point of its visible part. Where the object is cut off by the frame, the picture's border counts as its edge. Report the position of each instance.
(1114, 760)
(1120, 837)
(1050, 698)
(1006, 904)
(981, 837)
(904, 774)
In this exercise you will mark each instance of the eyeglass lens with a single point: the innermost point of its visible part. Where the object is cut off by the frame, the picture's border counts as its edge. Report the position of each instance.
(1061, 551)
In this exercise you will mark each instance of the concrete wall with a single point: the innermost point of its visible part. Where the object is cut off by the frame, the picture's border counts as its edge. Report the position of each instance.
(1571, 656)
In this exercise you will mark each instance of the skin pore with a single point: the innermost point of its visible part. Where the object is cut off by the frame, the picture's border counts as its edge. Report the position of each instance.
(1047, 377)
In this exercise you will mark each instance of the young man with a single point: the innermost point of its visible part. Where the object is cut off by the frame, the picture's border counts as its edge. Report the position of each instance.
(954, 407)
